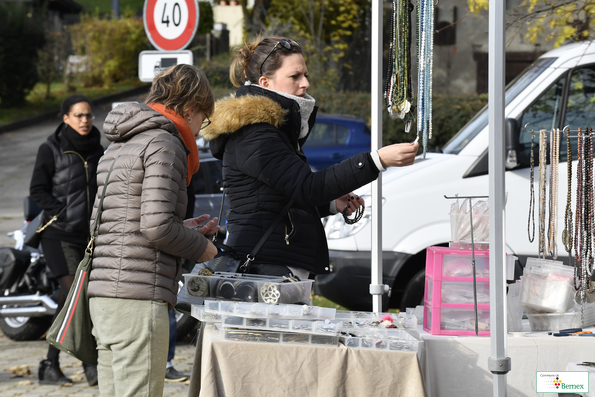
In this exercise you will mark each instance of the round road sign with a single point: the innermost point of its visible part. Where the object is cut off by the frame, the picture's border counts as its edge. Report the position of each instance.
(170, 24)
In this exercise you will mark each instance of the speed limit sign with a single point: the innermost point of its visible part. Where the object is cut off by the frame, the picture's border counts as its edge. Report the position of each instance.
(170, 24)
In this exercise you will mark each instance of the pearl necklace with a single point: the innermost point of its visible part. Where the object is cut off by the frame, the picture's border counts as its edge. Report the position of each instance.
(553, 202)
(532, 196)
(425, 59)
(542, 191)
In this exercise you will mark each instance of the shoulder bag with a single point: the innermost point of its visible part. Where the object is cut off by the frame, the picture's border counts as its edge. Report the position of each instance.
(36, 226)
(71, 330)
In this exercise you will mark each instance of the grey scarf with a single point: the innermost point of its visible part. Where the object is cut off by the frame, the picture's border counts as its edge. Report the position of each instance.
(306, 105)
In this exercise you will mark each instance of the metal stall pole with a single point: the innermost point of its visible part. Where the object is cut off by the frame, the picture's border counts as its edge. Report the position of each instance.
(498, 363)
(376, 286)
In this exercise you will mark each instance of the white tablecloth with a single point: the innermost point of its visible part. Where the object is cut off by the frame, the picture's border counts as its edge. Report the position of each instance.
(458, 366)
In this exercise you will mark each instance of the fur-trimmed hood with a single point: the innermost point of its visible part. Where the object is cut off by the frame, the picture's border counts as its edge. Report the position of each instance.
(252, 105)
(234, 112)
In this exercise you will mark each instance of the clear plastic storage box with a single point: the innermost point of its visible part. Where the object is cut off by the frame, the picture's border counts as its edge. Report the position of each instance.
(266, 310)
(547, 286)
(247, 288)
(241, 335)
(404, 345)
(553, 321)
(319, 327)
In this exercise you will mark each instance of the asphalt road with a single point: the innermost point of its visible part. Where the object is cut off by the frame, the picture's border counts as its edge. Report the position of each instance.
(17, 158)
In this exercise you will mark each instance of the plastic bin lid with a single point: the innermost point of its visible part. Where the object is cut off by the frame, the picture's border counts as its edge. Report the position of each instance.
(547, 266)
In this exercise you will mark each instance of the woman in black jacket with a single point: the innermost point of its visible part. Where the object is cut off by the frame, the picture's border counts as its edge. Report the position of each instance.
(64, 184)
(259, 134)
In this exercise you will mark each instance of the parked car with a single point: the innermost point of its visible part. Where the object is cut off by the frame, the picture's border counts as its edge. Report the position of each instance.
(558, 90)
(335, 138)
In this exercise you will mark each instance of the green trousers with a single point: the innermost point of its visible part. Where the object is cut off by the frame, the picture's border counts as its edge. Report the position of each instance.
(132, 341)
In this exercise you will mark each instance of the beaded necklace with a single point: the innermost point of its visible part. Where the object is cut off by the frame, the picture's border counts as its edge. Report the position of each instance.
(532, 197)
(567, 232)
(542, 190)
(425, 34)
(397, 91)
(553, 202)
(588, 203)
(578, 240)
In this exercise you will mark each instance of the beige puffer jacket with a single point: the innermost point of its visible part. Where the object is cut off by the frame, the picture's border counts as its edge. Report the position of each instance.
(141, 236)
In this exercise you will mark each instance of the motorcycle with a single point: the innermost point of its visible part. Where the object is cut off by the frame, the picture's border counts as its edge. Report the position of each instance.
(29, 291)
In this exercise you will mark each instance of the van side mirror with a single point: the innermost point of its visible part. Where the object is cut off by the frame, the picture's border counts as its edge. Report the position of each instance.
(512, 131)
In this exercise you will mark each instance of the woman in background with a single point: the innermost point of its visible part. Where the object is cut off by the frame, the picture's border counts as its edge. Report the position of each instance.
(64, 185)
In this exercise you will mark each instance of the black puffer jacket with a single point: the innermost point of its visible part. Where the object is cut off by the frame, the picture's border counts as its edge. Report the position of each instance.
(64, 183)
(255, 133)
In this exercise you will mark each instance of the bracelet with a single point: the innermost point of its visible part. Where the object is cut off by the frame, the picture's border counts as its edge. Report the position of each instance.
(359, 213)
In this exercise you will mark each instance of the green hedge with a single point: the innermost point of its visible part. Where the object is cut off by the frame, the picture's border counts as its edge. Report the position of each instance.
(112, 46)
(21, 36)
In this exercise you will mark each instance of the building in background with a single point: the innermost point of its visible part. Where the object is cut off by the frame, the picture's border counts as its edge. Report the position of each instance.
(460, 43)
(461, 48)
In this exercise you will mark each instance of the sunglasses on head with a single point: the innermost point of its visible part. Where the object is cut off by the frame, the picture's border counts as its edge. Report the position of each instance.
(288, 44)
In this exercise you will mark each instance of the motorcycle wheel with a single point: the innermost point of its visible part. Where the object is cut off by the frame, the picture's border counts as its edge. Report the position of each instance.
(25, 328)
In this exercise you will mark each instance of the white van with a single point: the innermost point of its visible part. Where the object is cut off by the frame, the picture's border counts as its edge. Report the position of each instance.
(558, 90)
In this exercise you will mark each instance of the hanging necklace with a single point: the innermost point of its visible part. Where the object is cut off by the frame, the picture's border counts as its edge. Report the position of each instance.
(588, 203)
(553, 202)
(567, 233)
(578, 223)
(532, 197)
(397, 91)
(425, 34)
(542, 191)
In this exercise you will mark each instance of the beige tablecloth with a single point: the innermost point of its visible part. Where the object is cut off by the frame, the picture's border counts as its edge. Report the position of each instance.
(224, 368)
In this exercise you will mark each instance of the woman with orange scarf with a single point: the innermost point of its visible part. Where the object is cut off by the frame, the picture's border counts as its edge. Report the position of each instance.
(142, 233)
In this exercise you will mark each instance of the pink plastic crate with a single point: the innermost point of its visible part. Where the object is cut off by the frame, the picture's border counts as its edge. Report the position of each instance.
(448, 298)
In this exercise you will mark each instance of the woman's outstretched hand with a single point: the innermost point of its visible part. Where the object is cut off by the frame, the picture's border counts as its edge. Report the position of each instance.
(207, 229)
(398, 155)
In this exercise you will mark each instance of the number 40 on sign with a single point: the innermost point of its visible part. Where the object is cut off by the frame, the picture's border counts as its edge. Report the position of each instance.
(171, 24)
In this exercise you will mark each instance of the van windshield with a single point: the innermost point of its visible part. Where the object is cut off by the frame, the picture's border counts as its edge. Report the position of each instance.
(480, 121)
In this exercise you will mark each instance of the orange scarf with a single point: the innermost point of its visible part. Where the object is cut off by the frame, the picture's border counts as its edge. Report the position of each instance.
(186, 134)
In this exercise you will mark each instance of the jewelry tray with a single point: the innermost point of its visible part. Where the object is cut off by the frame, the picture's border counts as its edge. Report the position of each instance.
(268, 310)
(244, 335)
(316, 327)
(377, 343)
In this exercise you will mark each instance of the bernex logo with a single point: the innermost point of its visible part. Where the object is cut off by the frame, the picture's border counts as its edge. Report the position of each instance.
(561, 381)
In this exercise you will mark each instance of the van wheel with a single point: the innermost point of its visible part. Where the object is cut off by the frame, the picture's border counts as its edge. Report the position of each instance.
(413, 295)
(25, 328)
